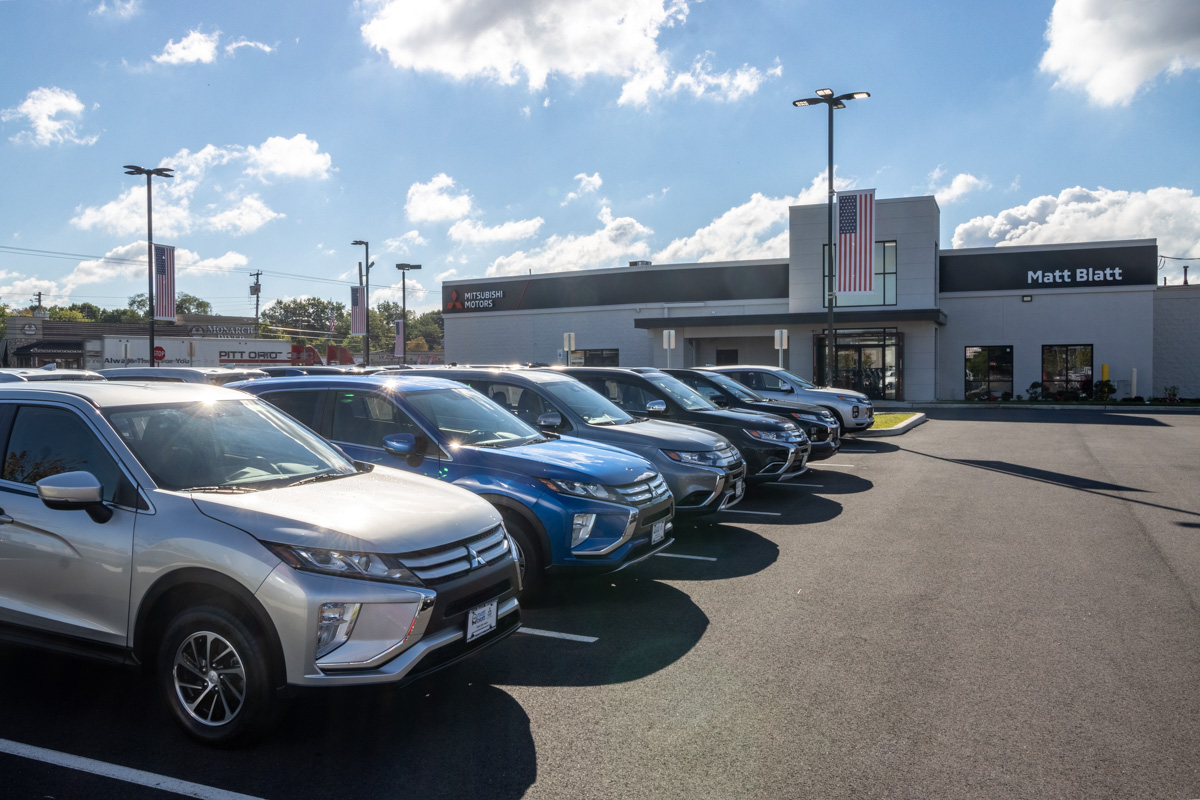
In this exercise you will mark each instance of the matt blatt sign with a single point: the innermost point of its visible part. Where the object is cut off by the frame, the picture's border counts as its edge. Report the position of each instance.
(1003, 268)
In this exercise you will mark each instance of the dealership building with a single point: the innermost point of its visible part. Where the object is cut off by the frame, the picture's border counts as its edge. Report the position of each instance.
(938, 325)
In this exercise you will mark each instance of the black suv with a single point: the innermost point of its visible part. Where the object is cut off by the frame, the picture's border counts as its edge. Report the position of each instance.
(774, 448)
(724, 392)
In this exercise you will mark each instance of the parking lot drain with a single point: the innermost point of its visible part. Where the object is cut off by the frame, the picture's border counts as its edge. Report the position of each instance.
(571, 637)
(117, 772)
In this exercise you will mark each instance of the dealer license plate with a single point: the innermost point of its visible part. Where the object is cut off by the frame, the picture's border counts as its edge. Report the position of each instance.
(481, 619)
(739, 488)
(658, 532)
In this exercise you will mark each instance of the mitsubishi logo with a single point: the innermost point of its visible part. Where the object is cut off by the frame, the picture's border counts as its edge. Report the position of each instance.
(476, 559)
(454, 301)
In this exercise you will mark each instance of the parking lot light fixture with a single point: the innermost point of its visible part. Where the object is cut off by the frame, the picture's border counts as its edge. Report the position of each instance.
(827, 97)
(161, 172)
(404, 270)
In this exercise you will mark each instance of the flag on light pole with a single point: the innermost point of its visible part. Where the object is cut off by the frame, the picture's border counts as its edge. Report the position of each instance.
(856, 242)
(164, 282)
(398, 349)
(358, 312)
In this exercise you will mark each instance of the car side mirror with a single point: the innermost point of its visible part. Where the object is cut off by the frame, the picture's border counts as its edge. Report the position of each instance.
(407, 446)
(75, 491)
(785, 388)
(551, 420)
(656, 407)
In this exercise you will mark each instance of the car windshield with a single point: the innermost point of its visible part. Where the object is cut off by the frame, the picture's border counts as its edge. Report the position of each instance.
(738, 390)
(797, 379)
(681, 393)
(466, 417)
(595, 408)
(224, 445)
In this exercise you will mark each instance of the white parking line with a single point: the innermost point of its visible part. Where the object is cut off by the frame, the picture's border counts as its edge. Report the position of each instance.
(571, 637)
(681, 555)
(760, 513)
(824, 465)
(806, 485)
(844, 450)
(127, 774)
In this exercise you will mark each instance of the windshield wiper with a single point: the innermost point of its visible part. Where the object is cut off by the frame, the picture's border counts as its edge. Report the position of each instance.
(325, 476)
(231, 489)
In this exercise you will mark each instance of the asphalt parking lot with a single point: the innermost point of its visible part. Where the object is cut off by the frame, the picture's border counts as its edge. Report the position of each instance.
(991, 605)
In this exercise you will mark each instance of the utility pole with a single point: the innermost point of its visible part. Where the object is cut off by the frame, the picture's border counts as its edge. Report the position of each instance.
(256, 289)
(39, 299)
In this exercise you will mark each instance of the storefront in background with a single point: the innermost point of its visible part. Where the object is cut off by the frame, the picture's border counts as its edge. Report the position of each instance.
(939, 324)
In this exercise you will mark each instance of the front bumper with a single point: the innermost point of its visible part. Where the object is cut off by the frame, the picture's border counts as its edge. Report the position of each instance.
(861, 417)
(620, 532)
(825, 440)
(401, 633)
(703, 490)
(768, 463)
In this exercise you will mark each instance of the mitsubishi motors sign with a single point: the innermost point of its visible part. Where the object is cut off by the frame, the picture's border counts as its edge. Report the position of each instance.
(460, 299)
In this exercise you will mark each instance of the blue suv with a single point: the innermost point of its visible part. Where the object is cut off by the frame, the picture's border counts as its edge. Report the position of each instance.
(568, 504)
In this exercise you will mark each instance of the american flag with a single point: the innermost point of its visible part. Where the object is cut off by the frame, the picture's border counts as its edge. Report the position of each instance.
(358, 312)
(398, 349)
(332, 320)
(164, 282)
(856, 242)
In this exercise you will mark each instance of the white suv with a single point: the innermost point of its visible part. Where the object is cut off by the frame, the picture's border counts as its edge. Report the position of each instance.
(203, 533)
(853, 410)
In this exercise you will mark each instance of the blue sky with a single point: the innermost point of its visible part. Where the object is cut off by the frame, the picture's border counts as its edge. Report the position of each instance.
(486, 138)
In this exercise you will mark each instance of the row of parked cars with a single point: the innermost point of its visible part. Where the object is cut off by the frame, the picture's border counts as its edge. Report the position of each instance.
(352, 529)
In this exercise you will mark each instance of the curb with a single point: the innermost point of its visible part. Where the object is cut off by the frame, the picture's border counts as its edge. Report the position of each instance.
(897, 430)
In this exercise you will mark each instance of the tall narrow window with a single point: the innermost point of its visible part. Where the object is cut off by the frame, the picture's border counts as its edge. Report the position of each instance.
(989, 373)
(1067, 371)
(885, 280)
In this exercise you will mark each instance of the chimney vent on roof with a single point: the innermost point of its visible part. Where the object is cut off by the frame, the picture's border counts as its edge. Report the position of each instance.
(639, 263)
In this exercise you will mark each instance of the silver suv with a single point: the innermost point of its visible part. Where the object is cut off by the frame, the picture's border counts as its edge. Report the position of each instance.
(201, 532)
(853, 410)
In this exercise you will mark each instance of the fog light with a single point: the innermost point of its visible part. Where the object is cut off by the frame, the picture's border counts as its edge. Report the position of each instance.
(856, 412)
(335, 622)
(581, 529)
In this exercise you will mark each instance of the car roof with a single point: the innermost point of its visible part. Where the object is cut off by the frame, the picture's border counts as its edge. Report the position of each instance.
(179, 370)
(622, 370)
(399, 380)
(534, 375)
(106, 394)
(19, 374)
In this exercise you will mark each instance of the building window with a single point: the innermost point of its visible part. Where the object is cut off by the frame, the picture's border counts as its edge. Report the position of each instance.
(596, 358)
(726, 357)
(885, 280)
(1067, 371)
(989, 373)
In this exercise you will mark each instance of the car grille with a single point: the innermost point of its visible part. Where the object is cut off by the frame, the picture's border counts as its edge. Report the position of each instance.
(441, 564)
(728, 456)
(645, 492)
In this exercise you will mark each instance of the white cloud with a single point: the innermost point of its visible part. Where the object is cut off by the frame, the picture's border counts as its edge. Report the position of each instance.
(620, 238)
(250, 214)
(1112, 48)
(432, 202)
(238, 211)
(466, 230)
(405, 243)
(445, 276)
(122, 9)
(233, 47)
(51, 114)
(588, 184)
(959, 186)
(529, 40)
(193, 48)
(298, 157)
(1170, 215)
(756, 229)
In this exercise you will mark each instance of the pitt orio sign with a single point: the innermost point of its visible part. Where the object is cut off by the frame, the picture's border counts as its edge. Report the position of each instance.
(998, 269)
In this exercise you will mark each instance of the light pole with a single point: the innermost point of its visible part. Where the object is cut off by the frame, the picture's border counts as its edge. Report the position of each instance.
(827, 97)
(162, 172)
(404, 270)
(366, 302)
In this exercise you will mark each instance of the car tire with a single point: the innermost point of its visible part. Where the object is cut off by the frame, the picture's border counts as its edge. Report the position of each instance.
(529, 553)
(215, 677)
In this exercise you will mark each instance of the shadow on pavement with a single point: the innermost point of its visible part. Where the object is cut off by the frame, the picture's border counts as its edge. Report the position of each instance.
(1135, 416)
(738, 552)
(450, 735)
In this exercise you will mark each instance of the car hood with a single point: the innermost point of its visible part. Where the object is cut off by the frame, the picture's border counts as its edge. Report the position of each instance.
(858, 396)
(659, 434)
(571, 460)
(746, 418)
(773, 406)
(384, 511)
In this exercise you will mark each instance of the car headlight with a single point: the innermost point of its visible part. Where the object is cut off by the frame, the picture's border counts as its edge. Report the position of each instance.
(576, 489)
(852, 399)
(364, 566)
(810, 417)
(772, 436)
(709, 458)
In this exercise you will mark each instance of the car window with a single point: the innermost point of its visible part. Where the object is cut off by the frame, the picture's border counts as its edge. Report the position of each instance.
(796, 379)
(587, 402)
(465, 416)
(301, 405)
(225, 444)
(47, 441)
(706, 390)
(679, 392)
(738, 390)
(762, 381)
(364, 418)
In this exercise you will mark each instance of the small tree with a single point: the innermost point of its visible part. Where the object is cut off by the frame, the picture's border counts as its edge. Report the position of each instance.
(1037, 390)
(1103, 390)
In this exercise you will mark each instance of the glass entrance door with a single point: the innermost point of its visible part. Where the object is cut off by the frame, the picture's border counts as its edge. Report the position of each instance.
(867, 362)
